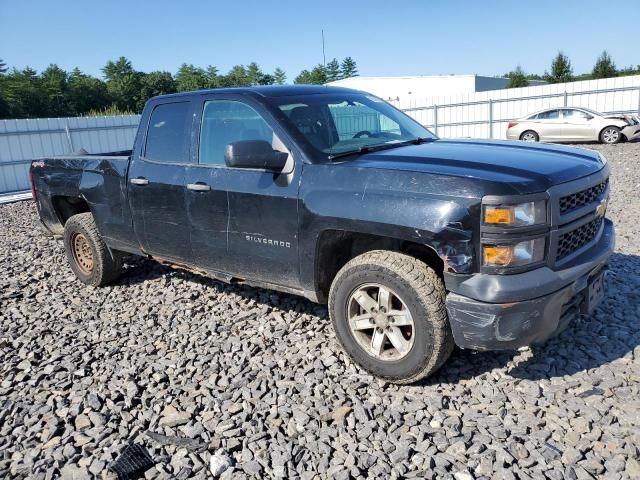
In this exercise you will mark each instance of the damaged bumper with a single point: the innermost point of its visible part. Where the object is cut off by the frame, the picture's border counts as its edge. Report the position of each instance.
(497, 312)
(632, 132)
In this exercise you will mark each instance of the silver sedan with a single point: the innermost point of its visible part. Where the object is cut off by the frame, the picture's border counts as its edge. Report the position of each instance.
(574, 125)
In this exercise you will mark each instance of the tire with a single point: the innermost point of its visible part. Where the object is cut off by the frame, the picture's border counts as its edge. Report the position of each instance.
(529, 136)
(413, 288)
(90, 259)
(610, 135)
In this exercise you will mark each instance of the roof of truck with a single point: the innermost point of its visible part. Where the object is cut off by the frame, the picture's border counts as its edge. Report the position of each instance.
(271, 90)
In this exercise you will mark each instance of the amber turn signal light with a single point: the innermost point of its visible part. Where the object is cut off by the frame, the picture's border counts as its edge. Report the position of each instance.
(498, 256)
(498, 215)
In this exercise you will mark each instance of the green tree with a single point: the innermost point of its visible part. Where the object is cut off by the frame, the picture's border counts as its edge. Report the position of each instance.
(604, 67)
(254, 74)
(630, 70)
(333, 70)
(3, 67)
(53, 81)
(213, 77)
(123, 83)
(23, 94)
(279, 77)
(517, 78)
(561, 70)
(85, 93)
(238, 76)
(152, 84)
(349, 68)
(317, 76)
(190, 78)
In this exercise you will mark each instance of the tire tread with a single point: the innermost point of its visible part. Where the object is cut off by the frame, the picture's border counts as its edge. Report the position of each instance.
(431, 292)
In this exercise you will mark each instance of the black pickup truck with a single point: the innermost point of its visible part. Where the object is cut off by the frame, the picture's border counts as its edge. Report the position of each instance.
(415, 243)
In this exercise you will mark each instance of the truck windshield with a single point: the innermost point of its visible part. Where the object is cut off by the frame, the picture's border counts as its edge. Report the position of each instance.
(335, 124)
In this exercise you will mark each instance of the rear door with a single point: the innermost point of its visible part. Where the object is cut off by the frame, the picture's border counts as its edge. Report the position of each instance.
(157, 186)
(261, 229)
(577, 125)
(549, 125)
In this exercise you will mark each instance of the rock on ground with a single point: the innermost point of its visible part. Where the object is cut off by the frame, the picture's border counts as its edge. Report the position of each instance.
(258, 378)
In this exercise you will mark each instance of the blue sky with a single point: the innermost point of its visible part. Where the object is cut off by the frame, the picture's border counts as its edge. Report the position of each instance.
(385, 37)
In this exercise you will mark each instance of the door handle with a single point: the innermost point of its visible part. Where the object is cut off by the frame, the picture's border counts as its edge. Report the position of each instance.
(139, 181)
(198, 187)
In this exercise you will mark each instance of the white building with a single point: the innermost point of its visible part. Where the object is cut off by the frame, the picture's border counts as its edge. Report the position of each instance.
(405, 91)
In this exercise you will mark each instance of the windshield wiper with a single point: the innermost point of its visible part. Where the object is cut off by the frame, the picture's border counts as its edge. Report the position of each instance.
(380, 146)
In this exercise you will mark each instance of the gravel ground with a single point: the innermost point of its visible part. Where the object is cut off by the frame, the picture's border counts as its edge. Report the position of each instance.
(250, 383)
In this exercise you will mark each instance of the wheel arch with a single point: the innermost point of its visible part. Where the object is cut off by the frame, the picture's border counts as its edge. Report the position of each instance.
(334, 248)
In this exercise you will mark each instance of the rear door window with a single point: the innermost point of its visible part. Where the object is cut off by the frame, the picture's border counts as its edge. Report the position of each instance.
(169, 133)
(549, 115)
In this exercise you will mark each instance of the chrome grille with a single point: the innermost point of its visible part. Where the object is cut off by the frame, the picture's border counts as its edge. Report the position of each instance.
(581, 198)
(571, 241)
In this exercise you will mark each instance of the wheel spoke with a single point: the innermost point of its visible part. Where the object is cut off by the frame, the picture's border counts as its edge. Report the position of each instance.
(365, 301)
(400, 318)
(398, 341)
(361, 322)
(384, 299)
(377, 342)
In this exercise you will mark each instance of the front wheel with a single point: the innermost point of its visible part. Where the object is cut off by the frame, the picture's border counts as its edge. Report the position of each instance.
(610, 135)
(90, 259)
(388, 311)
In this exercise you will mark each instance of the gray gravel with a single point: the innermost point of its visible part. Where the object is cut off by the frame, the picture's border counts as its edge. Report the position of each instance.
(250, 383)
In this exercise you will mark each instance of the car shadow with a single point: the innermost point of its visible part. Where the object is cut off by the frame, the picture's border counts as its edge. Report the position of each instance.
(610, 333)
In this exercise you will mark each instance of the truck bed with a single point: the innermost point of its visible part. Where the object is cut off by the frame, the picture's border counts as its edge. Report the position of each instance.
(70, 184)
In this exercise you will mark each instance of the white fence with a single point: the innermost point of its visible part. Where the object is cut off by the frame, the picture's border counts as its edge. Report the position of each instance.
(476, 115)
(486, 114)
(23, 140)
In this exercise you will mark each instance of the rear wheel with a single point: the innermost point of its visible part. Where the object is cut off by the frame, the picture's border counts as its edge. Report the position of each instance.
(90, 259)
(389, 314)
(610, 135)
(529, 136)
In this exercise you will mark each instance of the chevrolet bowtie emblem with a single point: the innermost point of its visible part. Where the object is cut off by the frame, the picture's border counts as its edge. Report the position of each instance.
(602, 208)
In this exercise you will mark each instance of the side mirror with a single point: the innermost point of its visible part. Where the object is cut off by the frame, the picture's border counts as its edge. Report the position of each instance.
(589, 117)
(254, 154)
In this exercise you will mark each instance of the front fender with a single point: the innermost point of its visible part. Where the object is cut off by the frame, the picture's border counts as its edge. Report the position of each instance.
(437, 211)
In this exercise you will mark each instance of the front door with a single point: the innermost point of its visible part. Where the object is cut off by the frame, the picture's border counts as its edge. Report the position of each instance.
(577, 125)
(157, 183)
(261, 223)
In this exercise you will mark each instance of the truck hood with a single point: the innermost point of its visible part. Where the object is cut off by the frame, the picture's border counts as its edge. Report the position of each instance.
(525, 167)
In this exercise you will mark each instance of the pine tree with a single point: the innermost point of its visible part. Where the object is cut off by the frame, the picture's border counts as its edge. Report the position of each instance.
(3, 67)
(561, 70)
(604, 67)
(317, 76)
(279, 77)
(349, 68)
(517, 78)
(333, 70)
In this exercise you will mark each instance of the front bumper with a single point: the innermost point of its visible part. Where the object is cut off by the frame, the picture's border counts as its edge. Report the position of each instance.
(632, 132)
(502, 312)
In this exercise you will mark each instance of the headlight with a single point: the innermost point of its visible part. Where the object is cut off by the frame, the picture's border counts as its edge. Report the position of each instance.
(514, 255)
(520, 215)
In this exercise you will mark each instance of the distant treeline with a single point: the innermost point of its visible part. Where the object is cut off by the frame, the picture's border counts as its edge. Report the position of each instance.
(561, 71)
(56, 93)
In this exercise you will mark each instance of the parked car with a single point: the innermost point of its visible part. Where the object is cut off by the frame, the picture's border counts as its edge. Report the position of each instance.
(415, 243)
(574, 125)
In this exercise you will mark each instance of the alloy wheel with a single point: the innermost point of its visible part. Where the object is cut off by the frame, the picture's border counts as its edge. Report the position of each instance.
(380, 322)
